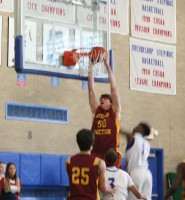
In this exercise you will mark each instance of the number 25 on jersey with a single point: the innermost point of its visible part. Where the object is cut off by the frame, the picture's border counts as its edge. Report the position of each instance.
(80, 175)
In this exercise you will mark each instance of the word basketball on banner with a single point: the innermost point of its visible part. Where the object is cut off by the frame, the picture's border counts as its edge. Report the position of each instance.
(154, 20)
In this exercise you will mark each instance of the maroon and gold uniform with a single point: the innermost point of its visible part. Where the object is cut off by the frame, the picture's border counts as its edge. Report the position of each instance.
(106, 132)
(83, 173)
(13, 193)
(183, 181)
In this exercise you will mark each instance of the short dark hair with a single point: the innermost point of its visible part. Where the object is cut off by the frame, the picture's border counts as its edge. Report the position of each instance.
(111, 157)
(146, 128)
(85, 139)
(106, 96)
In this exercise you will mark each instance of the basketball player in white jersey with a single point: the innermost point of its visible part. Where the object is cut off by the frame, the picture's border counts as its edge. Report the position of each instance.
(118, 179)
(137, 152)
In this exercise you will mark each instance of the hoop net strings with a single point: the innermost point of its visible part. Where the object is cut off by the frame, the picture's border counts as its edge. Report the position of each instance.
(85, 58)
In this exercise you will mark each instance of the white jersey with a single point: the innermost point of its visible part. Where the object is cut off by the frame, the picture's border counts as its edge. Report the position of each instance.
(142, 179)
(137, 165)
(120, 181)
(137, 154)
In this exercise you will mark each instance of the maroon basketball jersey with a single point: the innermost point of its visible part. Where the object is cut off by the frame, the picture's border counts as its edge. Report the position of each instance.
(83, 173)
(106, 130)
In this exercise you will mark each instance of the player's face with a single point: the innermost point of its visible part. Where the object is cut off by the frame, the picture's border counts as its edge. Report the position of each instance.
(105, 103)
(12, 170)
(137, 129)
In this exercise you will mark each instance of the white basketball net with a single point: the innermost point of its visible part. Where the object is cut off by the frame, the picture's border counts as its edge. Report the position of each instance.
(84, 61)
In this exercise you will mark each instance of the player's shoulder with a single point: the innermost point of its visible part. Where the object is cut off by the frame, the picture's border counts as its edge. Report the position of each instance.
(121, 171)
(123, 175)
(147, 143)
(68, 160)
(100, 160)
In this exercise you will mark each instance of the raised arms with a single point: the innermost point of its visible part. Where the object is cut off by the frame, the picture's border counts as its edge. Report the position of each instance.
(116, 103)
(113, 88)
(92, 95)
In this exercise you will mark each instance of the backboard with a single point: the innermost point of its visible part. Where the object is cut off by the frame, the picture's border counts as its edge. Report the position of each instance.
(45, 29)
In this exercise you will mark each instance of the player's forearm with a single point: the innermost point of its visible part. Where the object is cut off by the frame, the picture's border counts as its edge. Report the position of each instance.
(125, 133)
(113, 89)
(109, 71)
(111, 77)
(128, 136)
(136, 192)
(90, 79)
(92, 96)
(108, 190)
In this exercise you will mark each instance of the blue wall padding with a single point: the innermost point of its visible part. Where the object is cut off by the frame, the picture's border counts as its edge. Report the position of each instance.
(64, 176)
(30, 163)
(38, 169)
(18, 52)
(156, 165)
(7, 157)
(50, 170)
(44, 193)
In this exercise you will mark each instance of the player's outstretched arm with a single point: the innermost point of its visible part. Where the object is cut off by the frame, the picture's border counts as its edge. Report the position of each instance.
(128, 135)
(136, 192)
(113, 87)
(92, 95)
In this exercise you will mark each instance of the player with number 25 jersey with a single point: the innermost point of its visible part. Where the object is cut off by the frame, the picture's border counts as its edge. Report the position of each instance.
(82, 176)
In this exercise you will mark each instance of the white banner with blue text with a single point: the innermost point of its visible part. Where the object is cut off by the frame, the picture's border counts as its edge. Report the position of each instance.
(152, 67)
(154, 20)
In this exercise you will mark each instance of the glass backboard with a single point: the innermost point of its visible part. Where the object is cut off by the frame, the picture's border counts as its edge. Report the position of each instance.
(45, 29)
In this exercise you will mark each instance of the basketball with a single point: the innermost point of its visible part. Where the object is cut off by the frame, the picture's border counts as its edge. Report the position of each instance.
(97, 54)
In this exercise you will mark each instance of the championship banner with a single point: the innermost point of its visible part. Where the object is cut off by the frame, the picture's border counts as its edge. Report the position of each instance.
(49, 10)
(154, 20)
(6, 5)
(152, 67)
(119, 17)
(87, 17)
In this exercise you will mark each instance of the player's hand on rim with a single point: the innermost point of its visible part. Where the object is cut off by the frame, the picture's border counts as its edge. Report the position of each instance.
(106, 58)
